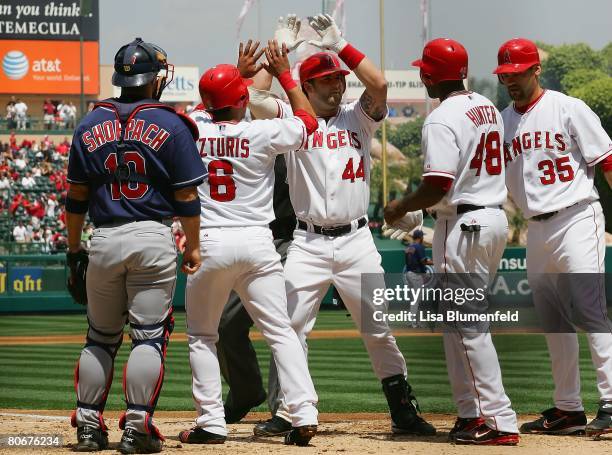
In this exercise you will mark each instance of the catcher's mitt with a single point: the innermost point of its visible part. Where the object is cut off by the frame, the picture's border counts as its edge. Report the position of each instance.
(76, 284)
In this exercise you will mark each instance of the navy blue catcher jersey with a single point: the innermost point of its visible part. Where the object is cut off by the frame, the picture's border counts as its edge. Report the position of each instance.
(158, 145)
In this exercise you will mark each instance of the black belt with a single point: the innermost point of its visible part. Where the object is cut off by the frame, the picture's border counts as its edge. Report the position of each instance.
(164, 221)
(463, 208)
(544, 216)
(335, 231)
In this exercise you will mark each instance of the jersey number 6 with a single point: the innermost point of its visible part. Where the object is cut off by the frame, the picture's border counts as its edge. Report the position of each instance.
(216, 180)
(490, 147)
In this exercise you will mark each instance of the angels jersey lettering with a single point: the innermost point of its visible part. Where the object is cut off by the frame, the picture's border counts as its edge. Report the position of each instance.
(551, 151)
(329, 179)
(240, 158)
(462, 140)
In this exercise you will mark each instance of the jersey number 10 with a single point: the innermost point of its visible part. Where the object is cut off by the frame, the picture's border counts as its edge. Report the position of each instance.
(489, 147)
(129, 190)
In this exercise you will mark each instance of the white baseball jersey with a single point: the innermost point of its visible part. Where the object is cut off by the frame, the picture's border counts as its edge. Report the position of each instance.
(551, 151)
(240, 158)
(462, 140)
(329, 180)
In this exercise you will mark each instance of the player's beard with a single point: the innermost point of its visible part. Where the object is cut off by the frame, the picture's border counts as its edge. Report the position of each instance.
(516, 92)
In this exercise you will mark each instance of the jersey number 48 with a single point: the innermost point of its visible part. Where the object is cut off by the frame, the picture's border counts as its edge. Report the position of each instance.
(489, 151)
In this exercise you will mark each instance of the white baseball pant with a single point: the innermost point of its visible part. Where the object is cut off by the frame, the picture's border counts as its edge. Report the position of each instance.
(243, 259)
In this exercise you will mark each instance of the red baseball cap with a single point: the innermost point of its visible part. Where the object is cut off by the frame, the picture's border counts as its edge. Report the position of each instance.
(516, 56)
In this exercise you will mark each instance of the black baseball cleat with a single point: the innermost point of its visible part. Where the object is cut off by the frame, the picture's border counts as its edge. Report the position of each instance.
(235, 412)
(485, 436)
(198, 435)
(602, 423)
(556, 421)
(276, 426)
(464, 424)
(404, 409)
(90, 439)
(134, 442)
(300, 436)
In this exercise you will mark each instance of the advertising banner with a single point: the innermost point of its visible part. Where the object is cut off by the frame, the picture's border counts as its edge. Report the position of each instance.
(48, 20)
(48, 67)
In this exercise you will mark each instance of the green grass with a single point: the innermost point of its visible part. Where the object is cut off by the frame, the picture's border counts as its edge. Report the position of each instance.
(40, 376)
(76, 324)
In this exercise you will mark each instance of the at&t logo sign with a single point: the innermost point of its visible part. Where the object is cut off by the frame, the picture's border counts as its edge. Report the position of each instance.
(15, 65)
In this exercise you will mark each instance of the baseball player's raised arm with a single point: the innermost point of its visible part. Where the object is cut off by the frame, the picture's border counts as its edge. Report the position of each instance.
(261, 104)
(374, 99)
(278, 66)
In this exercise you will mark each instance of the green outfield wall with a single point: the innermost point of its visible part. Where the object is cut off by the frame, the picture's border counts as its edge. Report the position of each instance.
(36, 283)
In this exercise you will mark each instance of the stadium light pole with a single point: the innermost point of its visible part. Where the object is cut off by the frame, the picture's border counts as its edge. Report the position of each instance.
(384, 125)
(82, 98)
(425, 12)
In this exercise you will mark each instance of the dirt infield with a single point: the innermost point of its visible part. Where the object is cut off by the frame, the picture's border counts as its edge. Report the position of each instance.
(338, 433)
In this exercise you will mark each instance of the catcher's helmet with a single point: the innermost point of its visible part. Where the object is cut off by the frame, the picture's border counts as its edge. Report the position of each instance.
(516, 56)
(138, 63)
(223, 86)
(443, 59)
(320, 64)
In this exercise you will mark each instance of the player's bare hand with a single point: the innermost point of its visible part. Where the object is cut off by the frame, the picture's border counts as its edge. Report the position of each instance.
(287, 31)
(247, 59)
(191, 260)
(393, 211)
(278, 62)
(326, 28)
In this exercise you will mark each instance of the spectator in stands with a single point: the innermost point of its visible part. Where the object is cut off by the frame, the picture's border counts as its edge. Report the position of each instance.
(11, 114)
(5, 184)
(70, 111)
(37, 209)
(51, 205)
(21, 114)
(19, 163)
(48, 114)
(61, 115)
(28, 181)
(47, 237)
(17, 200)
(20, 232)
(37, 237)
(58, 243)
(61, 218)
(13, 142)
(63, 149)
(36, 172)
